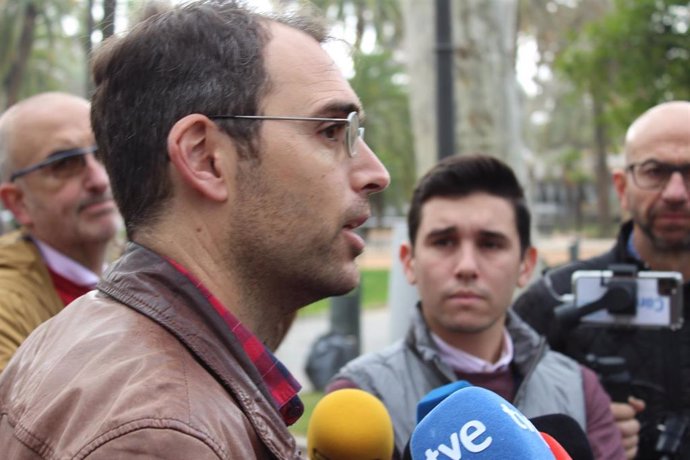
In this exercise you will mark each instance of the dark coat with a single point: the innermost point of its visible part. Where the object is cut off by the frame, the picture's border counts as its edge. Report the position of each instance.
(658, 359)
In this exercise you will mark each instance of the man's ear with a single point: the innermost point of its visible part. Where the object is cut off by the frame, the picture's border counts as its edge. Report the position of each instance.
(529, 261)
(13, 198)
(407, 259)
(201, 155)
(620, 183)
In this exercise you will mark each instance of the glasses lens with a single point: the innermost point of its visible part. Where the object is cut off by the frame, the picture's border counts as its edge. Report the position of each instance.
(60, 164)
(652, 175)
(353, 133)
(67, 167)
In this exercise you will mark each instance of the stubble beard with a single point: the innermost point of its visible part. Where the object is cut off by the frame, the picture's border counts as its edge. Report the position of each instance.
(270, 255)
(659, 243)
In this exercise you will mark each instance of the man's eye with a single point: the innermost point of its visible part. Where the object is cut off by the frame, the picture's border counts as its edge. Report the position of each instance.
(443, 242)
(491, 244)
(68, 166)
(655, 172)
(333, 132)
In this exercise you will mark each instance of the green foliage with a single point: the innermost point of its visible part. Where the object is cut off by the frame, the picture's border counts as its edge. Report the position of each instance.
(374, 288)
(378, 82)
(635, 57)
(383, 17)
(374, 291)
(35, 48)
(571, 162)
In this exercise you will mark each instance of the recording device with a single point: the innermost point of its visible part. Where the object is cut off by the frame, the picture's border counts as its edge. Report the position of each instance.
(614, 375)
(567, 432)
(671, 433)
(622, 296)
(475, 423)
(350, 424)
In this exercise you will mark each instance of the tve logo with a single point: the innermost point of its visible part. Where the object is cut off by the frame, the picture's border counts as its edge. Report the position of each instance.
(469, 438)
(472, 436)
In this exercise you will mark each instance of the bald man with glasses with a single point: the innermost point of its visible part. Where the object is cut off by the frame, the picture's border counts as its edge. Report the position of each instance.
(60, 196)
(654, 189)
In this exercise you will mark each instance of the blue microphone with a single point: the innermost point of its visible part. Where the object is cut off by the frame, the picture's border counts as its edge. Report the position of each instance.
(473, 423)
(435, 396)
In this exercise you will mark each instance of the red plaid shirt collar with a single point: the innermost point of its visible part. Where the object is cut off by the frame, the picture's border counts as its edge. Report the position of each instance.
(282, 386)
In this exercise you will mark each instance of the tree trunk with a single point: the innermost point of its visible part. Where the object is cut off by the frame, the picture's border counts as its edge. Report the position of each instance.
(486, 98)
(88, 46)
(108, 22)
(419, 19)
(601, 169)
(487, 104)
(15, 76)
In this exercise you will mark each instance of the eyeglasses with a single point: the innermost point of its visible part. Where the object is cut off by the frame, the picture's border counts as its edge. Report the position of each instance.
(62, 164)
(652, 175)
(352, 133)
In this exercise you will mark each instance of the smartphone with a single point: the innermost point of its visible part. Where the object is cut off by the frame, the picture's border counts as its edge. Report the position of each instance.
(659, 298)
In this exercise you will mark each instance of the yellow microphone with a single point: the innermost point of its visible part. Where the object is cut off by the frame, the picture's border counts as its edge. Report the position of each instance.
(350, 424)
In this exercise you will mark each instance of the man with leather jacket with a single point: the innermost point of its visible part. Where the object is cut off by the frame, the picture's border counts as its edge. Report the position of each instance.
(241, 178)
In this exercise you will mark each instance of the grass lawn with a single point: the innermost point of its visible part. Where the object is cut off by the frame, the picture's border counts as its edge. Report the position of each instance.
(309, 399)
(374, 292)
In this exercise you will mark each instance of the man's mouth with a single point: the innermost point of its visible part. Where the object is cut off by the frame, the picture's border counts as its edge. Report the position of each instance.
(96, 203)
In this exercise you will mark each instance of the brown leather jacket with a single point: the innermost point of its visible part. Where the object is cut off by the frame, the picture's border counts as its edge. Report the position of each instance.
(142, 368)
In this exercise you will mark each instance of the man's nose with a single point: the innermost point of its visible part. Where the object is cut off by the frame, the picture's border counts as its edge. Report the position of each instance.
(676, 188)
(466, 266)
(96, 178)
(369, 175)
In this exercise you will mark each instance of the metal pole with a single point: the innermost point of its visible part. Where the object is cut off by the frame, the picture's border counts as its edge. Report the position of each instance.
(345, 315)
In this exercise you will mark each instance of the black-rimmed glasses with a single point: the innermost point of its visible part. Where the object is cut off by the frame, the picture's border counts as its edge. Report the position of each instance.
(62, 164)
(653, 175)
(353, 132)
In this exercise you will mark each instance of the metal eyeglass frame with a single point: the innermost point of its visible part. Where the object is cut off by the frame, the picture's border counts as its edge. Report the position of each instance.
(52, 159)
(684, 171)
(353, 132)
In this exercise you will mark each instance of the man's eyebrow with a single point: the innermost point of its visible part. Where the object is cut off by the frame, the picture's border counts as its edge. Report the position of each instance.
(451, 231)
(340, 109)
(447, 231)
(493, 234)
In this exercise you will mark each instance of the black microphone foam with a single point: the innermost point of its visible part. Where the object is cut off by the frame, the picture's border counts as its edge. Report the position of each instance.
(567, 432)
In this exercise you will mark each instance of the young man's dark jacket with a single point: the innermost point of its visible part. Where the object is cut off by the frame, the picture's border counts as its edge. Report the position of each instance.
(142, 368)
(658, 359)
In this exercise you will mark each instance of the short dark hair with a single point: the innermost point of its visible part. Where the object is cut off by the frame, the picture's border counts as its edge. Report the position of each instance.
(463, 175)
(204, 57)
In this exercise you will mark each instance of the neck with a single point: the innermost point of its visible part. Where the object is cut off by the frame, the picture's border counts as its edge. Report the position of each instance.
(252, 303)
(486, 344)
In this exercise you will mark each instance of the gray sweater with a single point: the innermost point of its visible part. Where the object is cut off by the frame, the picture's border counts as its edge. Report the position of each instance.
(401, 374)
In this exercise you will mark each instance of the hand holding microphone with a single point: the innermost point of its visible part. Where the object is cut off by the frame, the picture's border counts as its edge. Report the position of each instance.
(350, 424)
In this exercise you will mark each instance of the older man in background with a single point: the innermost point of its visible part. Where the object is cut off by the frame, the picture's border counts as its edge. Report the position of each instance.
(60, 195)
